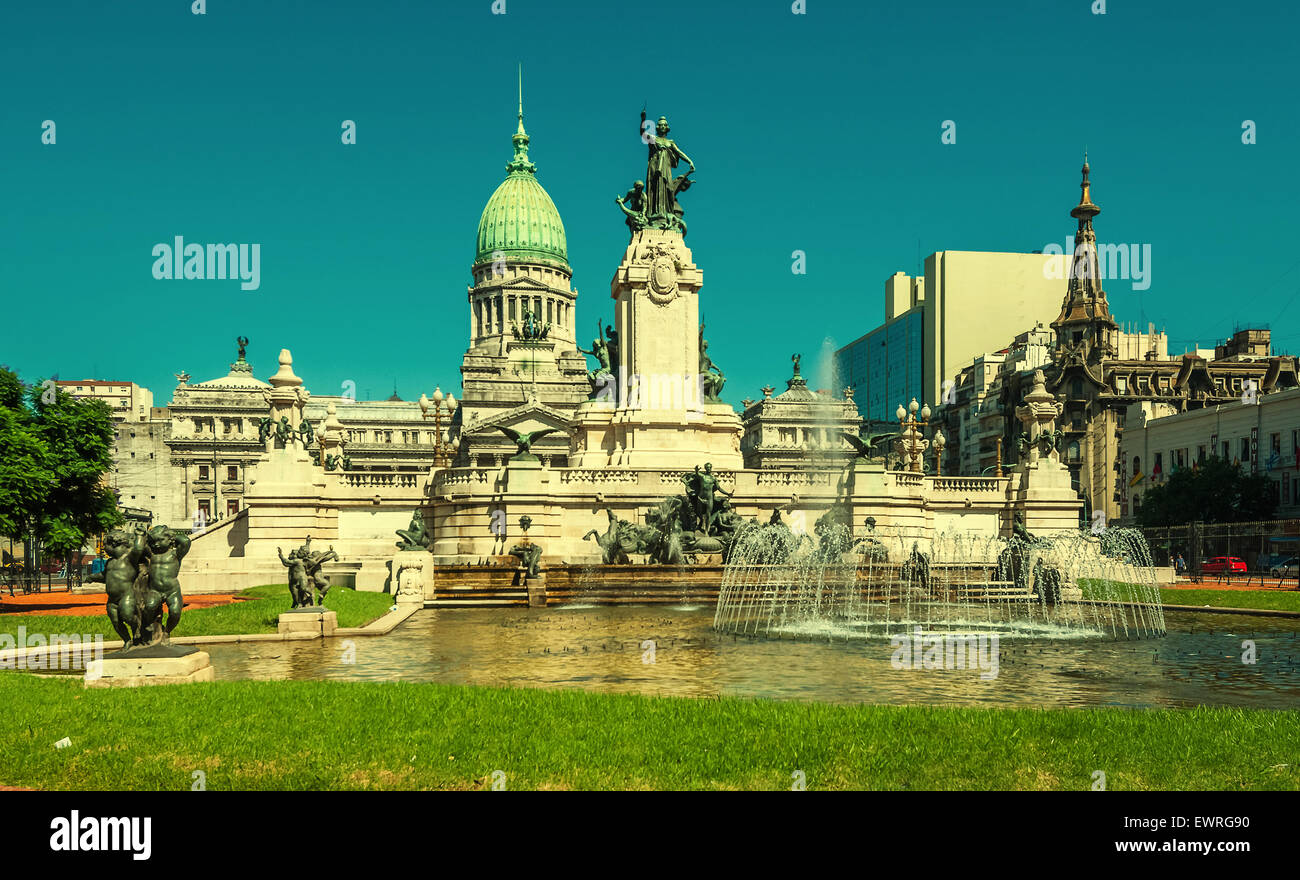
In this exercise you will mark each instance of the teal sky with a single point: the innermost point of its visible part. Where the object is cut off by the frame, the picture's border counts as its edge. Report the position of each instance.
(816, 132)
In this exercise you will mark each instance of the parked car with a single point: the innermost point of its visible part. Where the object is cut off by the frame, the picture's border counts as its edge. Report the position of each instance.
(1218, 564)
(1285, 568)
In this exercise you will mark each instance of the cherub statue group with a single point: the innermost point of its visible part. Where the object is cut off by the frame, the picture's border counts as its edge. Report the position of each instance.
(284, 432)
(141, 580)
(307, 586)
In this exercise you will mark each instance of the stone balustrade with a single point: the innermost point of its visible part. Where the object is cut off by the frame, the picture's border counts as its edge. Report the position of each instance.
(968, 484)
(366, 479)
(793, 478)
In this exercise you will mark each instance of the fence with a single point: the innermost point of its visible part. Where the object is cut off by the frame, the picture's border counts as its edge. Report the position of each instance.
(1270, 548)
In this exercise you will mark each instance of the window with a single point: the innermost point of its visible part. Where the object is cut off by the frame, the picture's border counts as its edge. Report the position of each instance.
(1200, 454)
(1226, 451)
(1158, 467)
(1076, 388)
(203, 472)
(232, 472)
(232, 507)
(1245, 450)
(1275, 444)
(205, 509)
(1121, 385)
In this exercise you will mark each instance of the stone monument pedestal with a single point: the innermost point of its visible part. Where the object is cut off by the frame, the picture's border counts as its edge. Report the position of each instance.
(155, 664)
(409, 580)
(314, 621)
(536, 589)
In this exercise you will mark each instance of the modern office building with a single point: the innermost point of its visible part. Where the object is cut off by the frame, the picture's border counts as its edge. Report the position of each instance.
(939, 323)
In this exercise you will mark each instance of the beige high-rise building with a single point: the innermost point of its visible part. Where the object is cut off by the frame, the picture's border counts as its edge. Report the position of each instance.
(939, 323)
(972, 298)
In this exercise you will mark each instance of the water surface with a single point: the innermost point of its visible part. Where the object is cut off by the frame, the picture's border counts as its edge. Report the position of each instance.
(603, 648)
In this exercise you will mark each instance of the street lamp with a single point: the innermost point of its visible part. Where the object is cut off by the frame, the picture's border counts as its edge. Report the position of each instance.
(939, 442)
(438, 402)
(913, 443)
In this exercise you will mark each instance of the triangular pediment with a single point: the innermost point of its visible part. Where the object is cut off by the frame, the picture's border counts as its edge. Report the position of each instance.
(531, 416)
(518, 282)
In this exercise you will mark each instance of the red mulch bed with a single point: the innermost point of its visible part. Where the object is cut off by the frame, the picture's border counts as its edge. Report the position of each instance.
(89, 604)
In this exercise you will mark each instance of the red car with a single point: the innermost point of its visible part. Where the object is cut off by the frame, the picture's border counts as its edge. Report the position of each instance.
(1217, 564)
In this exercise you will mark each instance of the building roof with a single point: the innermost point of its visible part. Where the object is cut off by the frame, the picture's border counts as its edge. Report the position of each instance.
(520, 222)
(240, 377)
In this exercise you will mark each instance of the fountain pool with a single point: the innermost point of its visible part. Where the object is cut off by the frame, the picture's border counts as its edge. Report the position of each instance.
(605, 649)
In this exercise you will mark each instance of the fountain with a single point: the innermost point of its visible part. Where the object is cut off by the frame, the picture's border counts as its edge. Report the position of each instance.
(777, 583)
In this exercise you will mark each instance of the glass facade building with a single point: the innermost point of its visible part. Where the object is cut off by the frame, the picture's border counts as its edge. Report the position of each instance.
(885, 366)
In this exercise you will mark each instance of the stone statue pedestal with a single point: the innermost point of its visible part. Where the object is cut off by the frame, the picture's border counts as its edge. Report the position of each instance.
(660, 418)
(311, 622)
(536, 590)
(155, 664)
(409, 581)
(526, 476)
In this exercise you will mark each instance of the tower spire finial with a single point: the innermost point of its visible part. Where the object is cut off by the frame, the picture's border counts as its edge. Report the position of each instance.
(520, 162)
(521, 98)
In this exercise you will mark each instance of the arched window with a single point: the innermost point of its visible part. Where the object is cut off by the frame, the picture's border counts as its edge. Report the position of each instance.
(1073, 450)
(1137, 465)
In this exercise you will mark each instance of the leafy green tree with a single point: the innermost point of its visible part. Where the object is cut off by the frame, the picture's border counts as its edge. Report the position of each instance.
(78, 435)
(54, 453)
(1214, 491)
(26, 479)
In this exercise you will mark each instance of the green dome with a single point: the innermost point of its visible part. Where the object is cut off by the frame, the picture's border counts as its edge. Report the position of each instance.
(520, 220)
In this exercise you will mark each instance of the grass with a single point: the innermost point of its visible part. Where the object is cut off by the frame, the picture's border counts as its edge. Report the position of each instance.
(354, 608)
(365, 735)
(1271, 600)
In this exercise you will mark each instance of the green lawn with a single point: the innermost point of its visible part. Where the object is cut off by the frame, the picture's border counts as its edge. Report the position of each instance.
(351, 735)
(1272, 600)
(354, 608)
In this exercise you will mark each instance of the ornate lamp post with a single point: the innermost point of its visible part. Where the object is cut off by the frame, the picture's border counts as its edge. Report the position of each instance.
(438, 402)
(939, 442)
(914, 444)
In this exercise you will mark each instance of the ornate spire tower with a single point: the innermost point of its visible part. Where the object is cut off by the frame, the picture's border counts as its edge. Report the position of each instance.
(1085, 325)
(522, 353)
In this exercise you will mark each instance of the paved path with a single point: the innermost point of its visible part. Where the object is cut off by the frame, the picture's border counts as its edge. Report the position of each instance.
(91, 603)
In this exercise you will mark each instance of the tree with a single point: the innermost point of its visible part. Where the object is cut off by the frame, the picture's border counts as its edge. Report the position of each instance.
(1214, 491)
(79, 437)
(54, 453)
(26, 478)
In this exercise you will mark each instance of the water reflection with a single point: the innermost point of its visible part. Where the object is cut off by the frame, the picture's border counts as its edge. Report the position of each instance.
(601, 648)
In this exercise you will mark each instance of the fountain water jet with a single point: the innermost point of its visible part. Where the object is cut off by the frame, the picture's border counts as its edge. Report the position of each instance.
(1068, 586)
